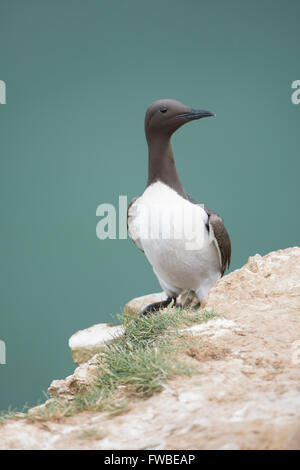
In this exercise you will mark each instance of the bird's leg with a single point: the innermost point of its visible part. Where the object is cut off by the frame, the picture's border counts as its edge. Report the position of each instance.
(197, 306)
(156, 306)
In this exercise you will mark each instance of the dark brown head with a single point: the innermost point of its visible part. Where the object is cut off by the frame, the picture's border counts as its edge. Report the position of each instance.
(164, 117)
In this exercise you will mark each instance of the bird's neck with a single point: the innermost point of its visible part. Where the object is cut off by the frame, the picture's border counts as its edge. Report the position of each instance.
(161, 164)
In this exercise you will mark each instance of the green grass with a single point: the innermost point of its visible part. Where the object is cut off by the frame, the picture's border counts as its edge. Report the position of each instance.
(10, 413)
(145, 357)
(137, 364)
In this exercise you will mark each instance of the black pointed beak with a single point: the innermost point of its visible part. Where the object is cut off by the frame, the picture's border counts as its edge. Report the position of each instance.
(196, 114)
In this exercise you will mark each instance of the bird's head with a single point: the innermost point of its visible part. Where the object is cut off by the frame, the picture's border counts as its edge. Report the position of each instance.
(164, 117)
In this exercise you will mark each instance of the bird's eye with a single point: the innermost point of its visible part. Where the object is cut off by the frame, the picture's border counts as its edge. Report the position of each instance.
(163, 109)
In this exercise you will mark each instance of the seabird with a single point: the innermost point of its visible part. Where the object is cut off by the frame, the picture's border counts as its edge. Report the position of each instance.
(186, 243)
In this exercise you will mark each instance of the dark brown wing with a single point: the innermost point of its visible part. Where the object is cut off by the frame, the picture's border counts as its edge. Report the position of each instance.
(135, 241)
(222, 239)
(221, 236)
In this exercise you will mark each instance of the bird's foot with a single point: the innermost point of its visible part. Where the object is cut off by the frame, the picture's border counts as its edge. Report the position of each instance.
(197, 306)
(179, 306)
(156, 306)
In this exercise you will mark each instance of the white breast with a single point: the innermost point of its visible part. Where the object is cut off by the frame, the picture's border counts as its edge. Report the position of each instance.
(172, 232)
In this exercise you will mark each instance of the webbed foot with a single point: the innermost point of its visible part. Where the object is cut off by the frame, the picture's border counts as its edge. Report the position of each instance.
(156, 306)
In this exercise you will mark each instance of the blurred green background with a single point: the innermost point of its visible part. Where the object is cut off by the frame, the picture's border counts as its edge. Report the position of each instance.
(79, 76)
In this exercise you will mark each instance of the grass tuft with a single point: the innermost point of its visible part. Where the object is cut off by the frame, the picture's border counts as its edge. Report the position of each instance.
(12, 414)
(137, 364)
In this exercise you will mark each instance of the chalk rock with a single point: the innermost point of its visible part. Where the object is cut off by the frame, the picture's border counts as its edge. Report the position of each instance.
(83, 377)
(247, 395)
(263, 285)
(86, 343)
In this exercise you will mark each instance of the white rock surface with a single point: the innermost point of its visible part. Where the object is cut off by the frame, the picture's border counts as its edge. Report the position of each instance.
(86, 343)
(83, 377)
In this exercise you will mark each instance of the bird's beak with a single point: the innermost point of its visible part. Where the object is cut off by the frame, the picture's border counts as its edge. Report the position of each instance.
(193, 114)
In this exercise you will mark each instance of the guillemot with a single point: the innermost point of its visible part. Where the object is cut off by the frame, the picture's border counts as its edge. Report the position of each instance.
(162, 221)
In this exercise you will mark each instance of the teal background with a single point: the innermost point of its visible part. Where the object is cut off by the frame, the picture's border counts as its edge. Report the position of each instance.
(79, 76)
